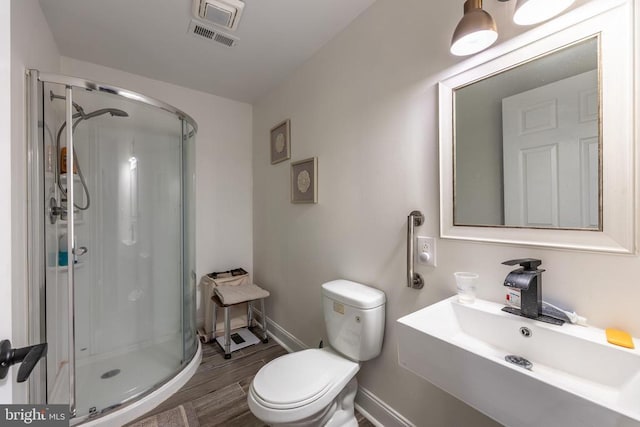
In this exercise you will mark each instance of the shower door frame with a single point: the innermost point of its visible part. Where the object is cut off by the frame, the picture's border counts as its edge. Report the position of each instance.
(36, 217)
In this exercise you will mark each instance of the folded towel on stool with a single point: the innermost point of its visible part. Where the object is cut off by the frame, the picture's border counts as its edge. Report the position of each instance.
(230, 295)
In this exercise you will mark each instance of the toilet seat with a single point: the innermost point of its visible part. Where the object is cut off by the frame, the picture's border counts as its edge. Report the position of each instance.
(300, 384)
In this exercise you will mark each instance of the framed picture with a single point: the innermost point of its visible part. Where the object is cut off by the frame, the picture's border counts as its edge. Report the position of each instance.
(304, 181)
(281, 142)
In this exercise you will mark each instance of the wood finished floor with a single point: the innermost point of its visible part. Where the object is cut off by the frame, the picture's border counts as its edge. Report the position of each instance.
(217, 392)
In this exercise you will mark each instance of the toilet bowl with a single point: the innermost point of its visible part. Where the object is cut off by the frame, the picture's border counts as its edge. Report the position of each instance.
(302, 389)
(317, 387)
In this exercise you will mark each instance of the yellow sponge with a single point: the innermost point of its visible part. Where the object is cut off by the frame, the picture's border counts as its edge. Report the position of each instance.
(618, 337)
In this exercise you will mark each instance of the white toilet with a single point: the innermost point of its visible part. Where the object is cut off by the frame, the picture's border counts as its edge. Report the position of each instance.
(317, 387)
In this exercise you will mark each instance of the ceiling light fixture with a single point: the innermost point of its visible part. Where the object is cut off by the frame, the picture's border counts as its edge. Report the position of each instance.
(477, 30)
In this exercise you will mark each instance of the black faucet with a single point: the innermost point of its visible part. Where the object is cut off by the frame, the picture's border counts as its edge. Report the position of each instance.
(528, 279)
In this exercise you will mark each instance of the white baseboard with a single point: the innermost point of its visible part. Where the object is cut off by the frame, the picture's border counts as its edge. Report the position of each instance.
(378, 412)
(368, 404)
(280, 335)
(284, 338)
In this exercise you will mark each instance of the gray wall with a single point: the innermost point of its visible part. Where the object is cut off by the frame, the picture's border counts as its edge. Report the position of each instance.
(366, 106)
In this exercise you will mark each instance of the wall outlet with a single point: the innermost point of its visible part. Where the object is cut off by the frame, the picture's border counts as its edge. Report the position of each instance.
(426, 251)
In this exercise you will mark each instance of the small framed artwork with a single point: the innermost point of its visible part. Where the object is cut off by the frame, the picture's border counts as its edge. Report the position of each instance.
(304, 181)
(281, 142)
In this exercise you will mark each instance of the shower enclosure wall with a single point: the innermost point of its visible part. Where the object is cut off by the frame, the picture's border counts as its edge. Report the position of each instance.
(113, 279)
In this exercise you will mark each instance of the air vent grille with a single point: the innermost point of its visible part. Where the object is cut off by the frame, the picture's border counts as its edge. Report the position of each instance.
(201, 31)
(227, 41)
(204, 32)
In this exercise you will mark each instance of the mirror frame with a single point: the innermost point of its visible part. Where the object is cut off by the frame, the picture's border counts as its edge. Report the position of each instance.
(613, 21)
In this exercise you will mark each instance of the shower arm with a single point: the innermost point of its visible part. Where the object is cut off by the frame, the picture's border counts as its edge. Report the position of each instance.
(78, 108)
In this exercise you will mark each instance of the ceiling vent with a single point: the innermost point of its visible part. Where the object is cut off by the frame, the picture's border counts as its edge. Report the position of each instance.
(225, 13)
(208, 33)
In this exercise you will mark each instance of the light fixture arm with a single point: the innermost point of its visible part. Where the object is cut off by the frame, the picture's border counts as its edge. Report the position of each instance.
(472, 4)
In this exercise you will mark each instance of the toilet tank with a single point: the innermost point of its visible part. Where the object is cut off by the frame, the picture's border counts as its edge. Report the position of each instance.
(354, 316)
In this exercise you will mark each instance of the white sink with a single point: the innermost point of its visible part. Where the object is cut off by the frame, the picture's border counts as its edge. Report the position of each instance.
(577, 379)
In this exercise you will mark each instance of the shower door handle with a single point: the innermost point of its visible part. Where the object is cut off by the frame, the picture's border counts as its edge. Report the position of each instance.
(28, 356)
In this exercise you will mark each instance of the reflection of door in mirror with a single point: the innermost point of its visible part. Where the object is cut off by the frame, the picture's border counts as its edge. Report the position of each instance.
(527, 144)
(550, 155)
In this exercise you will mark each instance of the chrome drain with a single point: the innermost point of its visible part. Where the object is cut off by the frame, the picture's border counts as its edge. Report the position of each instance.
(109, 374)
(519, 361)
(526, 332)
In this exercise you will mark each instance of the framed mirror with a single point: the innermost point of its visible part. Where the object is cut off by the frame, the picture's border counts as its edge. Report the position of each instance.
(527, 144)
(537, 141)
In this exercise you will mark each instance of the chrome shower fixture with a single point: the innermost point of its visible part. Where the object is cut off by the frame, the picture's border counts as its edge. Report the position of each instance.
(78, 117)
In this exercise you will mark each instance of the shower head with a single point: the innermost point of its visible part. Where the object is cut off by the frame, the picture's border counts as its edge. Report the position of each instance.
(118, 113)
(113, 111)
(80, 111)
(79, 117)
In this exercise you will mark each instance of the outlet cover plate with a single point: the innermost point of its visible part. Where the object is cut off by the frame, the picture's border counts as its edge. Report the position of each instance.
(426, 245)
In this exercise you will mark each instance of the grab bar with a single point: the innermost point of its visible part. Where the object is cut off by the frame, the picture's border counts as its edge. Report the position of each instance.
(414, 280)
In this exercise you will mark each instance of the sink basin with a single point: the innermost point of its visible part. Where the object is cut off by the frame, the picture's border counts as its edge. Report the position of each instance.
(576, 377)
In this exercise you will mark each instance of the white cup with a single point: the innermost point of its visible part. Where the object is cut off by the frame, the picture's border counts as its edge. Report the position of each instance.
(466, 286)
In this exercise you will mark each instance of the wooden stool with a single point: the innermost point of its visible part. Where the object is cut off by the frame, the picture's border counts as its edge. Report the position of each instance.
(227, 321)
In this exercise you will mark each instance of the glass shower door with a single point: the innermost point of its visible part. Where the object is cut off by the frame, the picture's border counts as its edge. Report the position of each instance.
(59, 371)
(131, 277)
(189, 222)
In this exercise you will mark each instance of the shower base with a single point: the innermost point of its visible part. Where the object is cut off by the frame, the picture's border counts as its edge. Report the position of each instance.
(138, 372)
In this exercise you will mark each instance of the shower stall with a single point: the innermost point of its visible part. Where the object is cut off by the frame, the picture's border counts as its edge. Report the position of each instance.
(111, 247)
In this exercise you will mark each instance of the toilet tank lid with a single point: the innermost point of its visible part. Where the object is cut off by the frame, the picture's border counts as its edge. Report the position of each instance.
(354, 294)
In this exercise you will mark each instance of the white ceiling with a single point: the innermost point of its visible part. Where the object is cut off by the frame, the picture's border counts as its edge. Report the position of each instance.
(150, 38)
